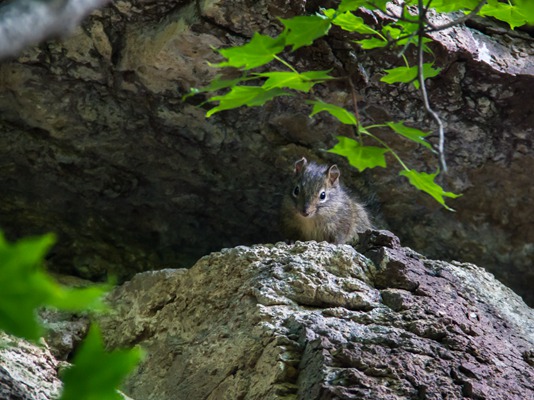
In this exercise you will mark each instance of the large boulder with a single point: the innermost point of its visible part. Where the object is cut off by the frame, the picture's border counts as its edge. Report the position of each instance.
(322, 321)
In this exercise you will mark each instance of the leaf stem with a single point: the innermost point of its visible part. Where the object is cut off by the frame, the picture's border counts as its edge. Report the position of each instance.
(288, 65)
(406, 45)
(397, 157)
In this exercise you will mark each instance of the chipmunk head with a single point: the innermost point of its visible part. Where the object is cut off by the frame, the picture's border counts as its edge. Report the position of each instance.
(313, 186)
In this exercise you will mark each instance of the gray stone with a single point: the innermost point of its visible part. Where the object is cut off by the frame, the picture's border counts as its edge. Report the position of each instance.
(320, 321)
(27, 371)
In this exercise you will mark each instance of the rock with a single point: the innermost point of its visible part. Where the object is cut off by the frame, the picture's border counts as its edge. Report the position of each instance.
(64, 332)
(97, 145)
(27, 371)
(320, 321)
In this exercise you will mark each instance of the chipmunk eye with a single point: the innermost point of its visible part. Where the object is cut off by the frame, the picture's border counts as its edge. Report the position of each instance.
(322, 196)
(296, 191)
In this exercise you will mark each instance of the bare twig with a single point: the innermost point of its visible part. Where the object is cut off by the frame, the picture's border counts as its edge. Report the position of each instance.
(355, 107)
(421, 77)
(405, 47)
(26, 22)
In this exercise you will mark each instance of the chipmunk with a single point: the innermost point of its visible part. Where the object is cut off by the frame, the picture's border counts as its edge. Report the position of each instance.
(317, 207)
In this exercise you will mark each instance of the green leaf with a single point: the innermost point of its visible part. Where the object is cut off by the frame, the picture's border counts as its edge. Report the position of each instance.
(392, 31)
(353, 5)
(244, 96)
(344, 116)
(303, 30)
(317, 75)
(293, 80)
(217, 84)
(400, 74)
(372, 43)
(79, 299)
(446, 6)
(350, 22)
(404, 29)
(510, 13)
(526, 8)
(409, 74)
(429, 71)
(96, 374)
(259, 51)
(360, 156)
(425, 182)
(25, 287)
(413, 134)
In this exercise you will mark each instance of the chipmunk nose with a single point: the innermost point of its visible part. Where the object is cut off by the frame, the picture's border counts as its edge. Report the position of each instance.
(306, 211)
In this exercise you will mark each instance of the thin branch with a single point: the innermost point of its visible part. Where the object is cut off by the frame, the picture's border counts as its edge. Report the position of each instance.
(461, 20)
(408, 42)
(354, 98)
(421, 77)
(355, 108)
(288, 65)
(27, 22)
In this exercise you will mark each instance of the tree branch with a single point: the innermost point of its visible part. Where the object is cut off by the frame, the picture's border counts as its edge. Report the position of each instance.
(421, 77)
(27, 22)
(355, 108)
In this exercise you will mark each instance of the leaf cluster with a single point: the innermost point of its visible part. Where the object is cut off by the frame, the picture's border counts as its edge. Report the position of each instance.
(405, 29)
(25, 287)
(514, 12)
(362, 156)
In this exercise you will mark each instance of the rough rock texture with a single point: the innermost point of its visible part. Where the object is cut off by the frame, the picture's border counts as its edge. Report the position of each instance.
(64, 332)
(27, 371)
(320, 321)
(96, 144)
(26, 22)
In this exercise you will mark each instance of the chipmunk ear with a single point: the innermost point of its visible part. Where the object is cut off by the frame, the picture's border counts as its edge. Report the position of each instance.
(299, 165)
(333, 175)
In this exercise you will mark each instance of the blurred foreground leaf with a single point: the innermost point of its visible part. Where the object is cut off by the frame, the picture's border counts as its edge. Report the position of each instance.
(25, 287)
(96, 374)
